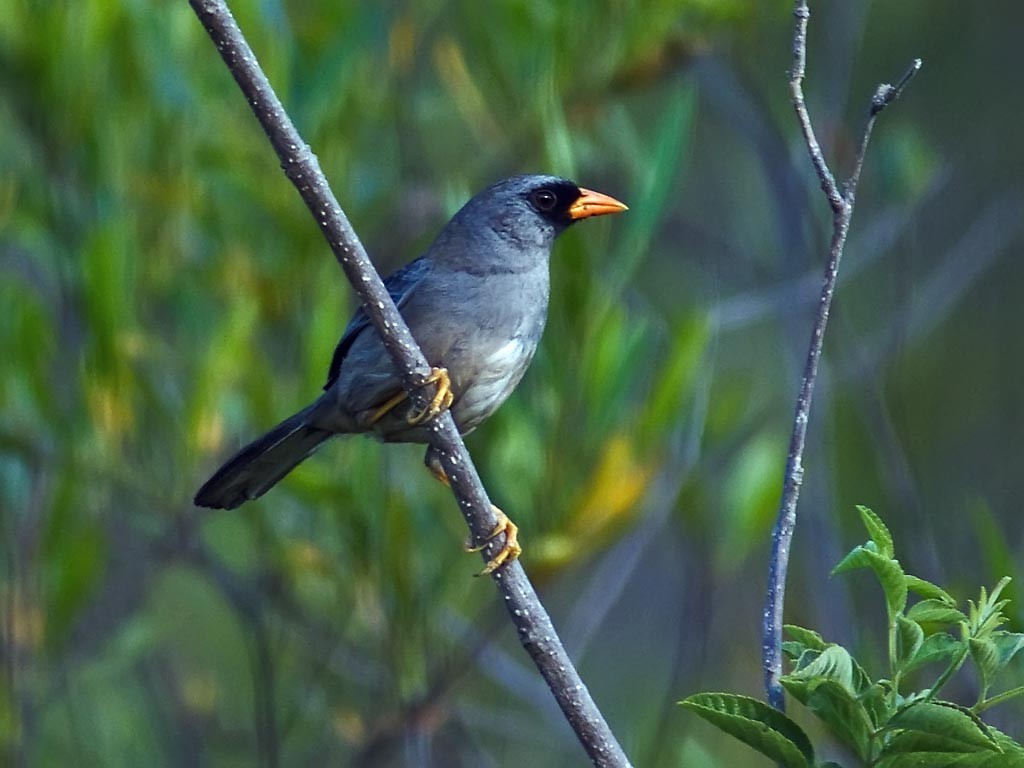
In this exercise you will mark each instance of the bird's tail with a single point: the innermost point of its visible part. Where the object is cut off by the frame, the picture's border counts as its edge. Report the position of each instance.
(259, 466)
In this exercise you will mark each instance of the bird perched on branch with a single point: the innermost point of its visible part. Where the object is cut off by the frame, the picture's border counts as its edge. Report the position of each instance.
(476, 303)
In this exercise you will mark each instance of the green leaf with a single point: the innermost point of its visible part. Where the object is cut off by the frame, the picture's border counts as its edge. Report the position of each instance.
(952, 760)
(805, 659)
(889, 572)
(935, 611)
(1013, 752)
(837, 707)
(835, 663)
(910, 742)
(757, 725)
(912, 749)
(805, 646)
(928, 590)
(878, 532)
(793, 649)
(987, 615)
(909, 639)
(991, 654)
(947, 721)
(831, 686)
(876, 701)
(1008, 645)
(986, 659)
(938, 647)
(808, 638)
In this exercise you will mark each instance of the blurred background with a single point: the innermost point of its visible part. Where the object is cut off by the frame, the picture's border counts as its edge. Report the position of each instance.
(165, 298)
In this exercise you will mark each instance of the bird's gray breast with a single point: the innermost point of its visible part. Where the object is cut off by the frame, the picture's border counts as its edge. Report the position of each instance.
(490, 346)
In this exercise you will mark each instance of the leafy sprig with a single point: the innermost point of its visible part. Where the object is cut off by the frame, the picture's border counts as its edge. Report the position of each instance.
(881, 723)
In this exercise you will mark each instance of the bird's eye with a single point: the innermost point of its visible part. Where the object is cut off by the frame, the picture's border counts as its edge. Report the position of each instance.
(544, 200)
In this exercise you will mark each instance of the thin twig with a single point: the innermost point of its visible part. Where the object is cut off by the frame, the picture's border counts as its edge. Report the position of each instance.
(841, 200)
(536, 632)
(885, 95)
(796, 88)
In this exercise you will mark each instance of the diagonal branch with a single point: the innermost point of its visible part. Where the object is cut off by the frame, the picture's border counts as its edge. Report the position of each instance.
(841, 200)
(536, 632)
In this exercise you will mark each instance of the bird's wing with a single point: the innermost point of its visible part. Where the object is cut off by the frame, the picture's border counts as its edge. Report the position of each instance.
(400, 285)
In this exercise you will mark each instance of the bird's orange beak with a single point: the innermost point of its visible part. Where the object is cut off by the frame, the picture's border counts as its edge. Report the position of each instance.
(591, 203)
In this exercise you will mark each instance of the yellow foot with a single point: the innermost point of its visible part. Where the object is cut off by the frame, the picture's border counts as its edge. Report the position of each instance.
(511, 549)
(442, 398)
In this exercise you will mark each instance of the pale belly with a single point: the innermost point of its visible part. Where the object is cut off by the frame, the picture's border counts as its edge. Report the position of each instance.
(494, 380)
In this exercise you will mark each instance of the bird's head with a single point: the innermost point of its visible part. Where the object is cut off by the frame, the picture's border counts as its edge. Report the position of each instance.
(528, 212)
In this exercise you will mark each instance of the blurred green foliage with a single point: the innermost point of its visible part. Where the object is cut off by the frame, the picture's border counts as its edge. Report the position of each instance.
(165, 297)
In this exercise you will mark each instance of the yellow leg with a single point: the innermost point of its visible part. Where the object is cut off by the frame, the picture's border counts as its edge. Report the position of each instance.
(442, 399)
(384, 409)
(434, 467)
(511, 549)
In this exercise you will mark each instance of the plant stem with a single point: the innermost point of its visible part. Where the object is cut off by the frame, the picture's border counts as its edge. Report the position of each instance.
(841, 202)
(894, 672)
(950, 670)
(999, 699)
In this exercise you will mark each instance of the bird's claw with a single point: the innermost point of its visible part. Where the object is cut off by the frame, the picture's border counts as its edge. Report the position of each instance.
(509, 551)
(442, 400)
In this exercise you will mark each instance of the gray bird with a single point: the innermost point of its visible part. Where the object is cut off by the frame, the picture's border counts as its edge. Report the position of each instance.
(476, 303)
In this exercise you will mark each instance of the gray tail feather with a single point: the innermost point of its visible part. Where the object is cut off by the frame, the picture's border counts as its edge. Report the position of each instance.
(259, 466)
